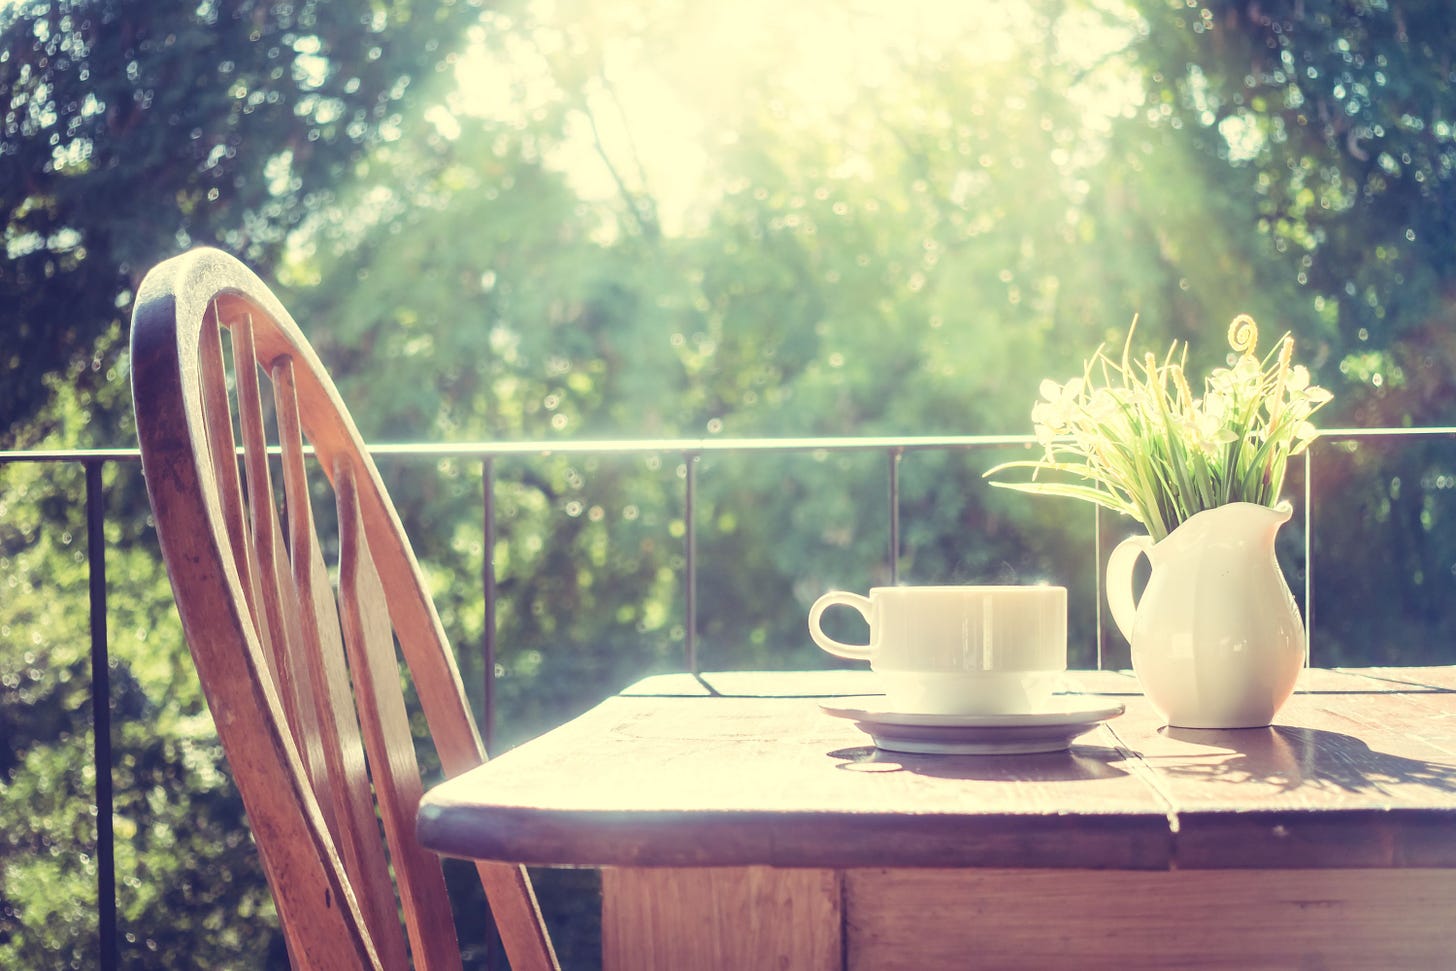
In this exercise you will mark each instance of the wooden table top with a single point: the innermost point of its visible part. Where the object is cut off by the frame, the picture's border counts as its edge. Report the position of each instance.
(743, 768)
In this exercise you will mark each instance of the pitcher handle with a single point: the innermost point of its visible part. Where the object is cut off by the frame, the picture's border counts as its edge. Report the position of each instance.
(1119, 580)
(854, 652)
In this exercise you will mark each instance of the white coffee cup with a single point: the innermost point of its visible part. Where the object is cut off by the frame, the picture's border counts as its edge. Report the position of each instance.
(962, 650)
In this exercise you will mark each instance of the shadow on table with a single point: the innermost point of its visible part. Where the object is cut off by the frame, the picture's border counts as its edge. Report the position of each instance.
(1291, 758)
(1082, 763)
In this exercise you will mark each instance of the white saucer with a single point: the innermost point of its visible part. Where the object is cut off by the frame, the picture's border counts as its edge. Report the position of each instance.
(1012, 734)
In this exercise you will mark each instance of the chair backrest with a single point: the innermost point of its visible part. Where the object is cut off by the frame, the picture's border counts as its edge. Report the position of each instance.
(305, 688)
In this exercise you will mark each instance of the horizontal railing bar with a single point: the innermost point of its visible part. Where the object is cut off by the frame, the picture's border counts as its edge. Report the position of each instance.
(626, 446)
(691, 446)
(704, 446)
(1341, 434)
(87, 455)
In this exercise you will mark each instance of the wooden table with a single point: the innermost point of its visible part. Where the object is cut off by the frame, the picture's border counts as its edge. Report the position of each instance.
(738, 826)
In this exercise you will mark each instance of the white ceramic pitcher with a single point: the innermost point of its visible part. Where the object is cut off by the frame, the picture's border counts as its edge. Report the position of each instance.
(1217, 641)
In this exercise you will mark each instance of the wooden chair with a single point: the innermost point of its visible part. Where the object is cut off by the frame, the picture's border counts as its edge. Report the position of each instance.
(305, 690)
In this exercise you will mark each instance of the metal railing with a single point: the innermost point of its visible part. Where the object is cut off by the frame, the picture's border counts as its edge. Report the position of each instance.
(690, 451)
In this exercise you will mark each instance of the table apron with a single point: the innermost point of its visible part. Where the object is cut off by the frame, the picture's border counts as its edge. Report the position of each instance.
(866, 918)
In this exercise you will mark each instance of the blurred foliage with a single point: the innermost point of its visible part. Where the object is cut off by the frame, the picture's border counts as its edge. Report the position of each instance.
(132, 129)
(643, 219)
(1337, 118)
(189, 882)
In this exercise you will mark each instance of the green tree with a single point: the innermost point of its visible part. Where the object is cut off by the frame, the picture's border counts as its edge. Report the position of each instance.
(1338, 113)
(909, 260)
(1336, 120)
(190, 889)
(131, 130)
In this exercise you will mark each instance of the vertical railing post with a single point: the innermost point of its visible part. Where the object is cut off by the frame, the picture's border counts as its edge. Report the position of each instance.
(493, 946)
(101, 717)
(894, 455)
(1308, 554)
(488, 584)
(1097, 576)
(690, 530)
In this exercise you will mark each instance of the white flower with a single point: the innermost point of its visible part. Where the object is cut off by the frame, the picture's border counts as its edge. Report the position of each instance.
(1053, 415)
(1304, 433)
(1208, 423)
(1141, 444)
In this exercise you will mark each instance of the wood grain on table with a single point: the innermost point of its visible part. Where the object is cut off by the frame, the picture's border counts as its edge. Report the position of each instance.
(743, 768)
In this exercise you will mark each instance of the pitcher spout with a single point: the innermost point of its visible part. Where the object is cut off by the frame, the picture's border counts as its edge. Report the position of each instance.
(1266, 520)
(1236, 523)
(1282, 510)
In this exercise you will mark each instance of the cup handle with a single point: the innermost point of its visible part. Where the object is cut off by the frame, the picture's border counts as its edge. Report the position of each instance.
(1119, 580)
(855, 652)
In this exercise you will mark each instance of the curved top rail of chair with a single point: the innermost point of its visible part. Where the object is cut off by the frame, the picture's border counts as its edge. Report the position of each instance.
(186, 289)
